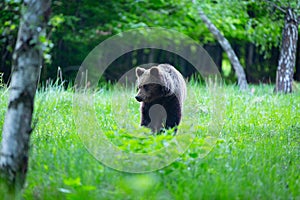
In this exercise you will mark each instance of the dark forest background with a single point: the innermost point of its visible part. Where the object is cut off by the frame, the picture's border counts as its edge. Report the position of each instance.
(253, 29)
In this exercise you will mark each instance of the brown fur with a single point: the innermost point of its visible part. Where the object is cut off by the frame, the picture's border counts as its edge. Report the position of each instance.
(161, 91)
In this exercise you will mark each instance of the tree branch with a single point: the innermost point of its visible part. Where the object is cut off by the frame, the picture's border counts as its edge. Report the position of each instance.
(276, 6)
(242, 81)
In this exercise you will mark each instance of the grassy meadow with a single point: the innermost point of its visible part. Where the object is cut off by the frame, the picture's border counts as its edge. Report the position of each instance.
(254, 154)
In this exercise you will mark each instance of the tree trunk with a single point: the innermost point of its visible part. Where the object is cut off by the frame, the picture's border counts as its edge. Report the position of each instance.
(297, 74)
(27, 59)
(287, 59)
(242, 82)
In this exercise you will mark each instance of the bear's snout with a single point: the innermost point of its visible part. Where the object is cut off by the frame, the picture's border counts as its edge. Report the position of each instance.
(138, 98)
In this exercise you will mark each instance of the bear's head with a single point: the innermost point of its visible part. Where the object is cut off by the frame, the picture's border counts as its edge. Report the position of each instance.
(150, 84)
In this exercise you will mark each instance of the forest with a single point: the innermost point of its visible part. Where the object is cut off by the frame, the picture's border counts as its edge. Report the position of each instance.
(76, 27)
(72, 116)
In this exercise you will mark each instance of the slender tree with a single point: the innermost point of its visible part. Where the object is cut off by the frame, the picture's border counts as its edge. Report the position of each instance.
(287, 59)
(240, 73)
(27, 59)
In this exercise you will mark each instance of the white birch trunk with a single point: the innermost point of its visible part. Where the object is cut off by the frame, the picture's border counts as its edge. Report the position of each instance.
(240, 73)
(27, 59)
(287, 59)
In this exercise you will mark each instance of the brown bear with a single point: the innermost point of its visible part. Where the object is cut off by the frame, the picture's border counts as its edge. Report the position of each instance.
(161, 91)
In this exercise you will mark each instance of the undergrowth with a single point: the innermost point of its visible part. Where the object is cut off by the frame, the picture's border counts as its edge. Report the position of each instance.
(255, 154)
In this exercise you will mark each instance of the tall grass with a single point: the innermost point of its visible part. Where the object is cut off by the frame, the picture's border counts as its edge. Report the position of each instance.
(256, 154)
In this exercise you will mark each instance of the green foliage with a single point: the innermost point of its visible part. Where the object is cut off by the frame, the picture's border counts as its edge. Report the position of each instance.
(239, 21)
(83, 25)
(76, 27)
(245, 21)
(9, 20)
(80, 26)
(256, 156)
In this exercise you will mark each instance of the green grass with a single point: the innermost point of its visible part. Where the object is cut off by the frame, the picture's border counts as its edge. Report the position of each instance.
(257, 155)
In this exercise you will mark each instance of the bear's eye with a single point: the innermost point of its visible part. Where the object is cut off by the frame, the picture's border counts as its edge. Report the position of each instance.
(146, 87)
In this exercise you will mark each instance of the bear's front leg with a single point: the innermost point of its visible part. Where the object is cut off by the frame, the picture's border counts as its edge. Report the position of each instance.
(158, 117)
(173, 114)
(172, 120)
(145, 118)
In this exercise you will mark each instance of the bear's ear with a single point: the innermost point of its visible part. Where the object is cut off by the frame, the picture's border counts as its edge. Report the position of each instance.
(139, 71)
(154, 71)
